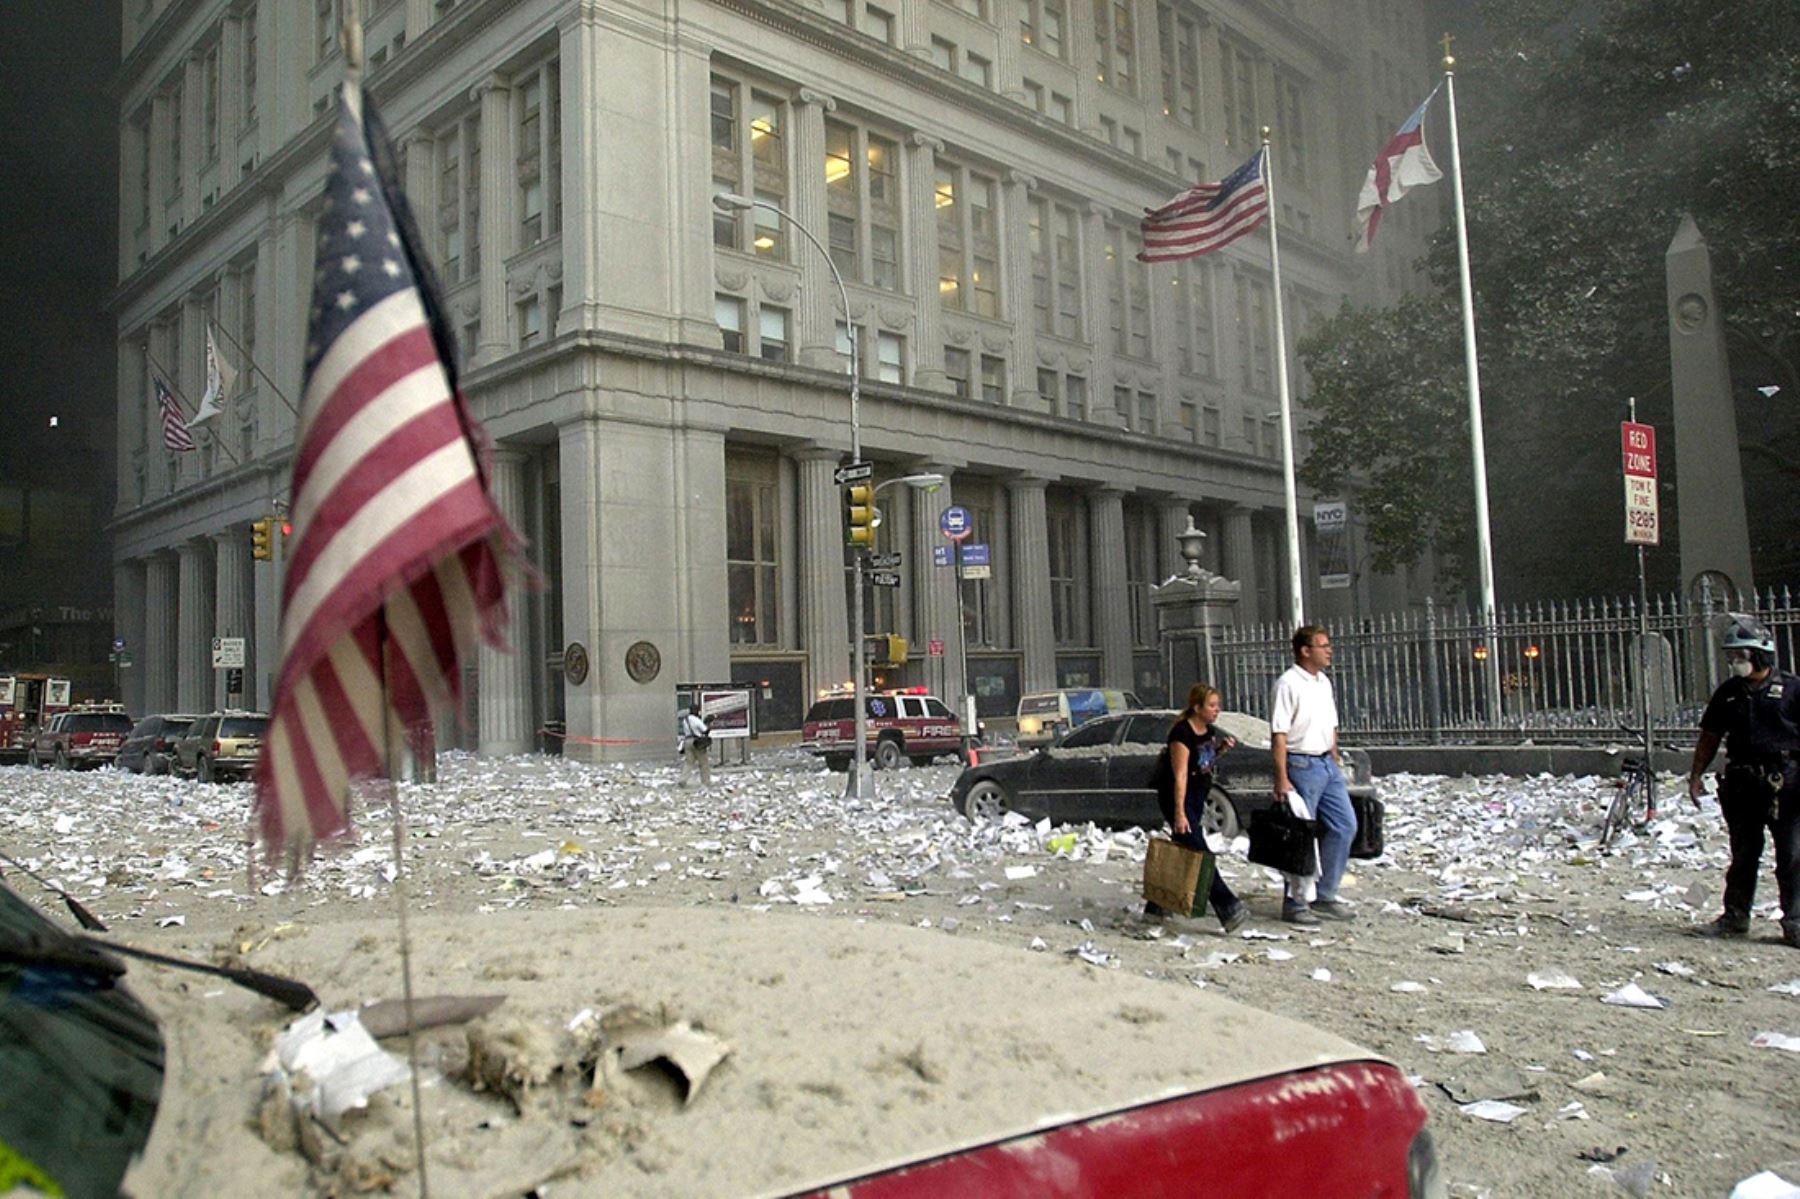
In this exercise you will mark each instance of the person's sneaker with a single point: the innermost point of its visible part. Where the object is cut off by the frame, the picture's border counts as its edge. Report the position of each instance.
(1236, 918)
(1727, 925)
(1332, 909)
(1298, 913)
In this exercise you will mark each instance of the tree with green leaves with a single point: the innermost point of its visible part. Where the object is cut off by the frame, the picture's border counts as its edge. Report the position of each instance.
(1589, 128)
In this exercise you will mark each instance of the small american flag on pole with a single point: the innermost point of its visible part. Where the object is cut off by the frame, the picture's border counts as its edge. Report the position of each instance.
(396, 566)
(175, 429)
(1207, 216)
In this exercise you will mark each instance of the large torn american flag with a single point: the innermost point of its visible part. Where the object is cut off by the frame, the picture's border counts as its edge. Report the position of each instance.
(395, 569)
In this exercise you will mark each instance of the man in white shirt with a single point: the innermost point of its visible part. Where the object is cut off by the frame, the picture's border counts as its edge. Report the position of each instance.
(696, 747)
(1303, 722)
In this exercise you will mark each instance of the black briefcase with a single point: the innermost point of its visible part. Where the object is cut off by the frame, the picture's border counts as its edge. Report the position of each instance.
(1371, 836)
(1284, 841)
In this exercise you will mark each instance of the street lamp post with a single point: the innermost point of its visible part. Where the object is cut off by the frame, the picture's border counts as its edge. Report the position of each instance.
(857, 785)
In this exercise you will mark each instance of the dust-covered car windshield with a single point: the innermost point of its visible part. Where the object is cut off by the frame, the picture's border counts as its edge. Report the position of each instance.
(243, 726)
(99, 722)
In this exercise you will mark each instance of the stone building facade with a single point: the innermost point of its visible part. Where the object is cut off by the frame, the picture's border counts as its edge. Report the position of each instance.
(667, 381)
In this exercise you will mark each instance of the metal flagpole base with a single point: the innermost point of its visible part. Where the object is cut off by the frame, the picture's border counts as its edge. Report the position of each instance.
(858, 785)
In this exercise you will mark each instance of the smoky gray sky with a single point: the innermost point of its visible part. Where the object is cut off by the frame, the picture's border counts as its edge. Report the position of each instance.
(58, 228)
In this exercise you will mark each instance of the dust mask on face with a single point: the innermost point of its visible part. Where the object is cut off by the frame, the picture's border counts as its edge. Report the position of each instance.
(1741, 668)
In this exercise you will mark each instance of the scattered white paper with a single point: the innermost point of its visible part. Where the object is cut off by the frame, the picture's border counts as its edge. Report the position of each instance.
(1015, 873)
(171, 922)
(341, 1059)
(1408, 987)
(1552, 981)
(1320, 975)
(1462, 1041)
(1678, 969)
(1279, 955)
(1776, 1040)
(1632, 995)
(1493, 1109)
(1766, 1185)
(1572, 1110)
(1790, 987)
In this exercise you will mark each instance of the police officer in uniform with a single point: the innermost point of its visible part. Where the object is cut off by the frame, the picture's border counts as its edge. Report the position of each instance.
(1756, 713)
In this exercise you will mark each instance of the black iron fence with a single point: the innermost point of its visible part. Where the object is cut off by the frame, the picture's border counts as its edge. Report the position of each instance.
(1552, 672)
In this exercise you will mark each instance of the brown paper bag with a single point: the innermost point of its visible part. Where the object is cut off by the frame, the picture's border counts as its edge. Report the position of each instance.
(1176, 877)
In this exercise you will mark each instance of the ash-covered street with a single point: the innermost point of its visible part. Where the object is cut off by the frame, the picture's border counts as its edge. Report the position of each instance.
(1493, 925)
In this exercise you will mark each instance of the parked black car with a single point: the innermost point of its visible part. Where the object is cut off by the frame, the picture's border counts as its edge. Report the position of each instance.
(150, 749)
(1101, 772)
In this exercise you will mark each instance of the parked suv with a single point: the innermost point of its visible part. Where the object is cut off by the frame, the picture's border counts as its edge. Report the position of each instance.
(88, 736)
(1046, 715)
(150, 749)
(221, 746)
(901, 724)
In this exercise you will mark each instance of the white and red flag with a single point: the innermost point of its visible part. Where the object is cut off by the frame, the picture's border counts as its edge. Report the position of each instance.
(1403, 164)
(1207, 216)
(396, 566)
(174, 427)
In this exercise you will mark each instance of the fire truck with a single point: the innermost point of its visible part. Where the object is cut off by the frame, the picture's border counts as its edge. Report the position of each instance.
(27, 702)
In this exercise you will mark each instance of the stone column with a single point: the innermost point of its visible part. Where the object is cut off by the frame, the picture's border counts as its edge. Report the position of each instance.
(1016, 245)
(128, 626)
(937, 599)
(1172, 522)
(1034, 633)
(1240, 561)
(418, 18)
(1112, 605)
(499, 175)
(235, 595)
(503, 695)
(1009, 73)
(817, 334)
(193, 105)
(921, 222)
(161, 594)
(579, 31)
(824, 621)
(194, 629)
(1094, 326)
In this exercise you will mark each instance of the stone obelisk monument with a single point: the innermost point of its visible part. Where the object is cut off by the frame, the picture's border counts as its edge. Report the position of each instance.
(1715, 535)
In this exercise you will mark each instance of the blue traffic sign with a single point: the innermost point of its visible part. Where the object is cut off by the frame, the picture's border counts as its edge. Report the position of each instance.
(956, 523)
(940, 555)
(975, 555)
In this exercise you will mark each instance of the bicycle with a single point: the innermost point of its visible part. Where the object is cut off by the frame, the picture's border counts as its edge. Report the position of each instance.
(1635, 803)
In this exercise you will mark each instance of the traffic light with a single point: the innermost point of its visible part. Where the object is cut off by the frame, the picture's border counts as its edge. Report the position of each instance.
(885, 649)
(862, 515)
(262, 542)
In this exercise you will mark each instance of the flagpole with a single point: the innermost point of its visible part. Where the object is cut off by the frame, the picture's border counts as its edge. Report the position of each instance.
(1297, 604)
(1477, 446)
(251, 359)
(218, 442)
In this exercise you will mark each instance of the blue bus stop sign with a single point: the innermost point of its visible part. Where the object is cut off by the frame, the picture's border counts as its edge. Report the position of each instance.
(956, 523)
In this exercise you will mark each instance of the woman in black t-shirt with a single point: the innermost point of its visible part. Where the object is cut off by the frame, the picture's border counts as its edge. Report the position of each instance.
(1194, 746)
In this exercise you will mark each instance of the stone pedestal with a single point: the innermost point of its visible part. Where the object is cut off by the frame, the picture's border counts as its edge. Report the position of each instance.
(1190, 610)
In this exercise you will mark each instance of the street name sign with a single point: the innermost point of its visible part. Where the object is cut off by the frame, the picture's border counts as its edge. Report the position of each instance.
(976, 564)
(887, 561)
(884, 578)
(1643, 525)
(856, 472)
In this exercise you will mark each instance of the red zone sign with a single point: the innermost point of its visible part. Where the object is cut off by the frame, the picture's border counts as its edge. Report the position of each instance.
(1643, 524)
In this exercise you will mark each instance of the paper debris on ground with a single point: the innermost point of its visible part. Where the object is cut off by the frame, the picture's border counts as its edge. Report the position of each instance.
(1493, 1109)
(1766, 1185)
(1776, 1040)
(1408, 987)
(1017, 873)
(1678, 969)
(1461, 1041)
(1554, 980)
(1790, 987)
(1495, 1081)
(1319, 975)
(690, 1051)
(338, 1057)
(1632, 995)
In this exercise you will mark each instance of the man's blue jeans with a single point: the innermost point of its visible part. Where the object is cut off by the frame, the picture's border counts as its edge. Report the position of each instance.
(1321, 784)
